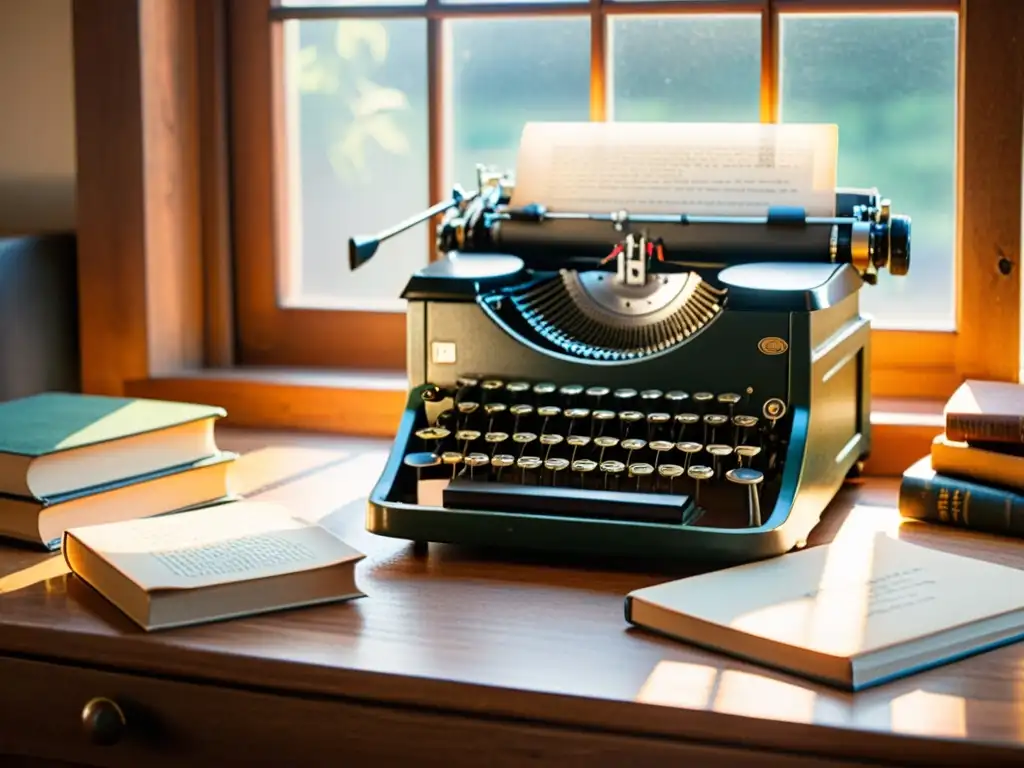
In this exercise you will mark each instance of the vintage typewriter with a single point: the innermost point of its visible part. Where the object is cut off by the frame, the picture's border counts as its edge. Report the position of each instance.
(662, 386)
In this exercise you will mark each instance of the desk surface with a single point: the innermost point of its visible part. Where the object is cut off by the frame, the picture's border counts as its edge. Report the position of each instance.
(458, 631)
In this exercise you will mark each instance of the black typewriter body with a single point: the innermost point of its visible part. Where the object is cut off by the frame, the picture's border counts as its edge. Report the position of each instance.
(703, 408)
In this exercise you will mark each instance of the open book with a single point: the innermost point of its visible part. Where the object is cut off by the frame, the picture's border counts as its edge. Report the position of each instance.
(849, 617)
(236, 559)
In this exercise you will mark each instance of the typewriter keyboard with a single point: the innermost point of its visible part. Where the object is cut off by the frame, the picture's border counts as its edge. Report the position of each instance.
(659, 456)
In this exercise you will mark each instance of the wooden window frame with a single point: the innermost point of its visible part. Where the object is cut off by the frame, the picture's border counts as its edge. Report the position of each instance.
(170, 230)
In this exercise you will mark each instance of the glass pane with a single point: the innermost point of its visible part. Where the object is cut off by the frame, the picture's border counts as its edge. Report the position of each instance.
(356, 93)
(507, 72)
(685, 68)
(889, 82)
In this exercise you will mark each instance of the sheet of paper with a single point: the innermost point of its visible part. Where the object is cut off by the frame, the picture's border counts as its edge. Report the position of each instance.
(725, 169)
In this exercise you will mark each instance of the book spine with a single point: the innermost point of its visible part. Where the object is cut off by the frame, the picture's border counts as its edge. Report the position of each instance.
(962, 504)
(977, 427)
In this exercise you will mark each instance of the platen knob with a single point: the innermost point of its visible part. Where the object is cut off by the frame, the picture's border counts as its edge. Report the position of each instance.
(899, 246)
(103, 722)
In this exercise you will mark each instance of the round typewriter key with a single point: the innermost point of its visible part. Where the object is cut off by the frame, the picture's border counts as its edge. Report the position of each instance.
(500, 462)
(690, 449)
(528, 464)
(522, 409)
(583, 467)
(600, 419)
(492, 409)
(716, 419)
(729, 398)
(676, 396)
(467, 381)
(452, 459)
(495, 438)
(518, 387)
(548, 411)
(544, 388)
(684, 420)
(577, 413)
(659, 447)
(703, 397)
(598, 392)
(658, 418)
(571, 390)
(548, 439)
(651, 394)
(524, 439)
(612, 468)
(628, 419)
(747, 452)
(421, 461)
(631, 445)
(474, 460)
(468, 406)
(467, 436)
(670, 472)
(745, 421)
(555, 466)
(577, 441)
(750, 478)
(432, 433)
(719, 449)
(625, 393)
(699, 472)
(640, 471)
(492, 384)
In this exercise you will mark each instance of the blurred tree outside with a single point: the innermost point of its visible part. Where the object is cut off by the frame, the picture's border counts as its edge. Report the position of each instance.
(362, 111)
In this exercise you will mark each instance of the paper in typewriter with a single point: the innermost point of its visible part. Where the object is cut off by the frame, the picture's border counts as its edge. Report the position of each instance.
(723, 169)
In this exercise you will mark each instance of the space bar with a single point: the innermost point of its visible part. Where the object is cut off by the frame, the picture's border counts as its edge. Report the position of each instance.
(567, 502)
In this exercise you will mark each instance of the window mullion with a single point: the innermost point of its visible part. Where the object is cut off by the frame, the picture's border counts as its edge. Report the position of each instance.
(437, 103)
(598, 62)
(769, 62)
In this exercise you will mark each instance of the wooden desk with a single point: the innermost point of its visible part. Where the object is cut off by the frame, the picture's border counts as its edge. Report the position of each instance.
(456, 659)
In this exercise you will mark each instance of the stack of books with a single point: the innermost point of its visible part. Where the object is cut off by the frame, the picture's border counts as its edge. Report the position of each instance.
(973, 476)
(70, 460)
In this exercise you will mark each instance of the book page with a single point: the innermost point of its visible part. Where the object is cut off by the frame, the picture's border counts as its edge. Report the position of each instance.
(232, 542)
(847, 598)
(723, 169)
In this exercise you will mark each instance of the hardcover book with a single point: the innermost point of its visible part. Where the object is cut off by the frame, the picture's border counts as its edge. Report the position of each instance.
(934, 497)
(210, 564)
(852, 619)
(44, 521)
(58, 442)
(986, 411)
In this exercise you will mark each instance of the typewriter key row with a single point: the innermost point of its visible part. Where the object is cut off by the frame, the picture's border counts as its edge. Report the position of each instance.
(532, 471)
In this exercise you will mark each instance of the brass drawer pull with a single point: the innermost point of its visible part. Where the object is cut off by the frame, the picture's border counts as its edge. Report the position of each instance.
(103, 722)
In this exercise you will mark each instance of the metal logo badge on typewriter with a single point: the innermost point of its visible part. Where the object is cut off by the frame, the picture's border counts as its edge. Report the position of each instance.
(772, 345)
(637, 323)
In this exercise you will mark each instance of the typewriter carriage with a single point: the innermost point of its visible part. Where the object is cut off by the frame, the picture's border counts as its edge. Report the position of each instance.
(632, 301)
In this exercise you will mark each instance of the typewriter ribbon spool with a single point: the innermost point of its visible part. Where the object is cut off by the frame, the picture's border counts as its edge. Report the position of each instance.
(652, 383)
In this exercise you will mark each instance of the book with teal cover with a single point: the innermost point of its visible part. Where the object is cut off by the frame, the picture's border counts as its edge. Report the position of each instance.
(59, 442)
(52, 422)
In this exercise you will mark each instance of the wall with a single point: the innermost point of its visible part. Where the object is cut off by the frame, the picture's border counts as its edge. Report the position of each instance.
(37, 127)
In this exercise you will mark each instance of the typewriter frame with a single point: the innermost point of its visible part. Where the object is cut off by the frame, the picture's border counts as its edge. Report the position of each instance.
(840, 337)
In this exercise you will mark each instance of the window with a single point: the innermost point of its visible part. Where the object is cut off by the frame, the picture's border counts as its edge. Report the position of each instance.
(349, 117)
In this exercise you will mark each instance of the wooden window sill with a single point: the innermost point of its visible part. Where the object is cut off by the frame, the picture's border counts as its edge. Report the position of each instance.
(368, 404)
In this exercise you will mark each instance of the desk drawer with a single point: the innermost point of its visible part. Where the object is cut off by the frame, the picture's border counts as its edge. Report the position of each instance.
(169, 723)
